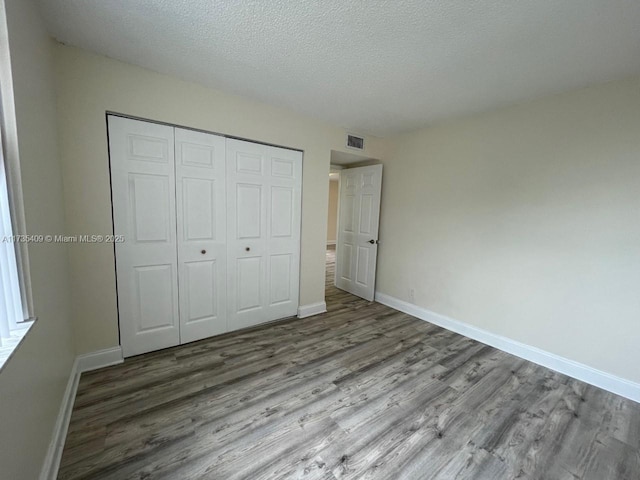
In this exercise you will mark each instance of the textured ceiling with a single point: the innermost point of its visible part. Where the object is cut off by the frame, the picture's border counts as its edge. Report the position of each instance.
(372, 66)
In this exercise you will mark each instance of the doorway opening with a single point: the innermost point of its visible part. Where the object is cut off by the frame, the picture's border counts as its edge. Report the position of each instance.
(332, 225)
(352, 225)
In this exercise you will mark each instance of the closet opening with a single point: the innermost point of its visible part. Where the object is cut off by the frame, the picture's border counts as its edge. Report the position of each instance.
(212, 233)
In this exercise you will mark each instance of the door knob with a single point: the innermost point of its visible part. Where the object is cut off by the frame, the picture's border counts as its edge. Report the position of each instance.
(372, 241)
(203, 251)
(247, 249)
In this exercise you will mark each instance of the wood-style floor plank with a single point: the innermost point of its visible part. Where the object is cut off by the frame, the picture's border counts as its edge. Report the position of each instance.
(361, 392)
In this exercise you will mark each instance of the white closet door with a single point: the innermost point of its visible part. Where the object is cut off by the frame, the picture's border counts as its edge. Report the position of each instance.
(143, 190)
(201, 217)
(263, 232)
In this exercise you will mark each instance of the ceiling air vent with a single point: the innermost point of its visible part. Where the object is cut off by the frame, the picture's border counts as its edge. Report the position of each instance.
(357, 143)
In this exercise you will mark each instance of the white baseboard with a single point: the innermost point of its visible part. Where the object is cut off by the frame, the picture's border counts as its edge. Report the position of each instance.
(82, 363)
(54, 453)
(311, 309)
(331, 242)
(579, 371)
(100, 359)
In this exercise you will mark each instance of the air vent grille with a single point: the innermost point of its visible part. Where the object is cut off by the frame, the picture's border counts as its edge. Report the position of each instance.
(357, 143)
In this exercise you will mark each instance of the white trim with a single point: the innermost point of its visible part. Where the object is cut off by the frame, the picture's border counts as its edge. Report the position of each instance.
(579, 371)
(311, 309)
(82, 363)
(10, 344)
(100, 359)
(54, 453)
(331, 242)
(9, 140)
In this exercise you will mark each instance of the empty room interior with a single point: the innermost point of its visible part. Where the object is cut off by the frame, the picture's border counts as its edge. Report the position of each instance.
(333, 240)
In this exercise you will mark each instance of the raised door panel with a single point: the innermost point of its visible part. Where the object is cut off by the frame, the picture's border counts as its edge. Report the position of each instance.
(150, 197)
(282, 206)
(200, 285)
(199, 209)
(369, 180)
(283, 168)
(143, 192)
(145, 148)
(249, 284)
(280, 281)
(365, 226)
(362, 266)
(250, 163)
(348, 213)
(201, 188)
(249, 211)
(346, 264)
(194, 154)
(153, 294)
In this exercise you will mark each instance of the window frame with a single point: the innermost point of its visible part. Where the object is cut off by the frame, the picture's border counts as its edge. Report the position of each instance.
(13, 181)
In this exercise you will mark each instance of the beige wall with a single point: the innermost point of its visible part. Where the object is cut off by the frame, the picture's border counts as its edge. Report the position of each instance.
(525, 222)
(332, 222)
(33, 381)
(89, 85)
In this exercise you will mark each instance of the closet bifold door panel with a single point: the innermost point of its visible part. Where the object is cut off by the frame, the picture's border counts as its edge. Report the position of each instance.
(263, 232)
(201, 221)
(143, 195)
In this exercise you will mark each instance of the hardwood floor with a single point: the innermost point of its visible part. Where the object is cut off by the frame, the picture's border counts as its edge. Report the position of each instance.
(362, 391)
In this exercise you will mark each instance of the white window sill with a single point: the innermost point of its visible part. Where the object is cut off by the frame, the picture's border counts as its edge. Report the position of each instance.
(9, 345)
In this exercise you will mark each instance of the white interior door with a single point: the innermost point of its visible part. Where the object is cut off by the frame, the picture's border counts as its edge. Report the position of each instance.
(201, 223)
(263, 232)
(143, 190)
(357, 243)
